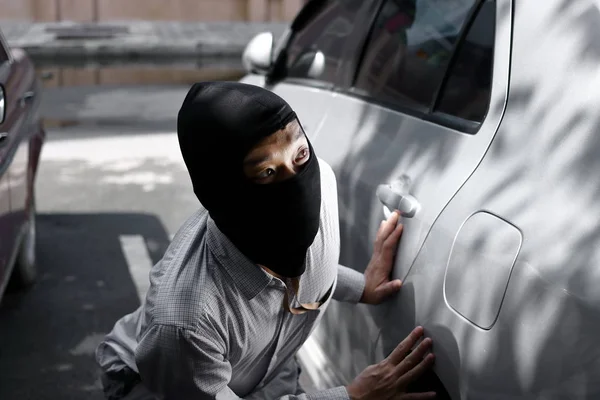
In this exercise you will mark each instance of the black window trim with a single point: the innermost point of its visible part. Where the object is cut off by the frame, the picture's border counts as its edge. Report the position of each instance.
(6, 49)
(354, 60)
(430, 114)
(464, 31)
(450, 121)
(363, 47)
(412, 111)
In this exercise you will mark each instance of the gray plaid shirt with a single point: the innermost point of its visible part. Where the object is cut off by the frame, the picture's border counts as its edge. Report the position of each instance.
(213, 325)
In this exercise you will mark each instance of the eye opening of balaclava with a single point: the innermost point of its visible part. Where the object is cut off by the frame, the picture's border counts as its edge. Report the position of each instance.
(271, 224)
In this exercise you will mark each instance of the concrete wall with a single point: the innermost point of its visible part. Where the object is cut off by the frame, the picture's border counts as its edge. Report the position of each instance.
(135, 75)
(121, 76)
(153, 10)
(174, 10)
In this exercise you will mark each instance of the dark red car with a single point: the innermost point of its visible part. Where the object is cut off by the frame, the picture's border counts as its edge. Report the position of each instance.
(21, 140)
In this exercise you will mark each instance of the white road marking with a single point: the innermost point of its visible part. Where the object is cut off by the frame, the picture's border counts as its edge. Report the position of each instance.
(121, 153)
(139, 262)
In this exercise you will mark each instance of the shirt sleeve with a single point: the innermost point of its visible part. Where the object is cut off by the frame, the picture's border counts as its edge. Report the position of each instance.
(350, 285)
(178, 363)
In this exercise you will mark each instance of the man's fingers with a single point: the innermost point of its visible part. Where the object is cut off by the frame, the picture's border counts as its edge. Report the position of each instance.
(389, 224)
(414, 358)
(379, 237)
(391, 241)
(416, 372)
(422, 349)
(388, 289)
(386, 228)
(404, 347)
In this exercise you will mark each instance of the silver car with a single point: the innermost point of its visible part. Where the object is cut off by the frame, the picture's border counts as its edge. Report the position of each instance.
(480, 120)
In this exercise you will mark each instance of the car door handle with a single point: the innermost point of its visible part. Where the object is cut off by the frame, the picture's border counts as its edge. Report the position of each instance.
(3, 137)
(394, 200)
(28, 96)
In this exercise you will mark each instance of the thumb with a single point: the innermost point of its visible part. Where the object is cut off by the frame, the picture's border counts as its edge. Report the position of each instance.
(388, 289)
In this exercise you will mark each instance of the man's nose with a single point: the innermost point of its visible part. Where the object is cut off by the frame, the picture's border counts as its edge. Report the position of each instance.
(288, 170)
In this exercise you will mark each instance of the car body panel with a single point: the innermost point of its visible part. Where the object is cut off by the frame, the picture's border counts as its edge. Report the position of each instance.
(5, 228)
(539, 175)
(374, 145)
(27, 142)
(522, 320)
(10, 126)
(19, 153)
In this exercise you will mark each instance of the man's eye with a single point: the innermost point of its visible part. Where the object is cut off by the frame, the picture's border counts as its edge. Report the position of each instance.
(267, 173)
(302, 155)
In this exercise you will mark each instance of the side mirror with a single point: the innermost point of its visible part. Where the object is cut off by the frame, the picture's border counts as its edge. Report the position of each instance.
(257, 55)
(2, 105)
(309, 65)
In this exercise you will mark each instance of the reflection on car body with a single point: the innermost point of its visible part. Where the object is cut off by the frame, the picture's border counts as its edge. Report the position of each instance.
(495, 123)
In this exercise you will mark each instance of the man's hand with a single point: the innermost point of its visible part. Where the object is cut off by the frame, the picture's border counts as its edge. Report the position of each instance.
(389, 379)
(378, 286)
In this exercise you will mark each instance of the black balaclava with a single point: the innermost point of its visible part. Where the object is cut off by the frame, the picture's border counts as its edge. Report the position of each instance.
(271, 224)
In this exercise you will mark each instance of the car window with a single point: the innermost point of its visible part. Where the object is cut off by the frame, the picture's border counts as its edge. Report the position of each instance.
(409, 50)
(327, 33)
(466, 93)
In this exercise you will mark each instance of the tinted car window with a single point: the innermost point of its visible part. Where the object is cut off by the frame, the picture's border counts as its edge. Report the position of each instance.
(327, 32)
(467, 91)
(409, 49)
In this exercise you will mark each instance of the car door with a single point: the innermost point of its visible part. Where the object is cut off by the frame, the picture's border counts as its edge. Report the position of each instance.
(426, 103)
(8, 128)
(330, 32)
(26, 87)
(515, 255)
(5, 230)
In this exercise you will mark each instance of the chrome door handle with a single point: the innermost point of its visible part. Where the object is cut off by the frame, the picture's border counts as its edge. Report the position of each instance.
(394, 200)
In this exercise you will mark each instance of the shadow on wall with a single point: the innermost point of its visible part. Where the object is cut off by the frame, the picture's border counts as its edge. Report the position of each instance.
(49, 333)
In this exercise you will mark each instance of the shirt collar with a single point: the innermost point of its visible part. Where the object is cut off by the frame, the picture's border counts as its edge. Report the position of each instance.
(247, 276)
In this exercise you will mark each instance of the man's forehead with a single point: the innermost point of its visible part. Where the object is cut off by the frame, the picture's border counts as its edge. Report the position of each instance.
(287, 136)
(290, 134)
(295, 129)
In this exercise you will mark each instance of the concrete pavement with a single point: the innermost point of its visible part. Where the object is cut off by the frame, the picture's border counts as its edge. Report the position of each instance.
(134, 39)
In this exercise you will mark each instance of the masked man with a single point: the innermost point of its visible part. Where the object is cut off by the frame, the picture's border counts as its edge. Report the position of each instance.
(249, 275)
